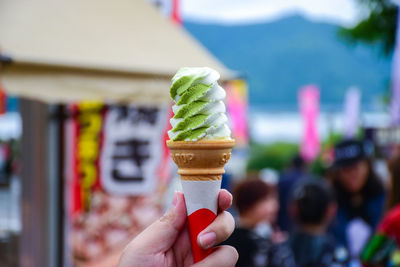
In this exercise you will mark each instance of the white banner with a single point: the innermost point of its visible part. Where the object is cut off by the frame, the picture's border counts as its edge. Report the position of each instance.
(351, 112)
(395, 101)
(132, 149)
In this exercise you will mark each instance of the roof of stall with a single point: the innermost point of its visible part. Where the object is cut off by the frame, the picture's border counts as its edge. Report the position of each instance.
(123, 50)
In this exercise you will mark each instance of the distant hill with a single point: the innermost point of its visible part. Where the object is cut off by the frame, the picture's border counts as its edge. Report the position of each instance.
(278, 58)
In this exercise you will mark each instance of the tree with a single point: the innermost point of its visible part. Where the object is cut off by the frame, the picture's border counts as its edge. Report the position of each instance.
(378, 28)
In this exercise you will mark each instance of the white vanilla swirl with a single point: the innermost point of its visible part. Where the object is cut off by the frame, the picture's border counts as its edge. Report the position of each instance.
(199, 110)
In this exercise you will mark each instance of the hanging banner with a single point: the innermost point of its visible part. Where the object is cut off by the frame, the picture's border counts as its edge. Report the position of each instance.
(132, 149)
(351, 112)
(115, 162)
(395, 101)
(164, 168)
(237, 107)
(3, 100)
(176, 14)
(309, 109)
(86, 130)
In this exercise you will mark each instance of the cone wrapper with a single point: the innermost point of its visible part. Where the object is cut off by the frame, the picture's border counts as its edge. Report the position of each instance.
(201, 204)
(201, 165)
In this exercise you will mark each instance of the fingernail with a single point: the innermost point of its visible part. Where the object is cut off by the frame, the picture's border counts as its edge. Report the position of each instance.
(175, 199)
(207, 240)
(231, 197)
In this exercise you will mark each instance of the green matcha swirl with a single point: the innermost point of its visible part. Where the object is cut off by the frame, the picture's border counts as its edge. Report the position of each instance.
(199, 110)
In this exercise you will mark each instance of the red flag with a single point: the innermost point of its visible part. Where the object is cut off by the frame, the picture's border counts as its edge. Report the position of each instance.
(176, 14)
(75, 191)
(3, 101)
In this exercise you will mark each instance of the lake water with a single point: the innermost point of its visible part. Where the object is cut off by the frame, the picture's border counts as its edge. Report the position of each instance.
(268, 127)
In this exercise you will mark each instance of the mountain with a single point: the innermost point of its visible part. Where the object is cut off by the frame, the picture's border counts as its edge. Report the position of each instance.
(278, 58)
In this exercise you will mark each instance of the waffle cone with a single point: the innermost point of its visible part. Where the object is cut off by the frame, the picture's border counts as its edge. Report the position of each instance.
(202, 160)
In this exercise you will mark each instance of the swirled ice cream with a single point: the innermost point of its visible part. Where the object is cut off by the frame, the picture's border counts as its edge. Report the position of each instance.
(199, 110)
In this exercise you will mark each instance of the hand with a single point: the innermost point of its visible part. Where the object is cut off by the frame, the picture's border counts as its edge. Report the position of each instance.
(166, 242)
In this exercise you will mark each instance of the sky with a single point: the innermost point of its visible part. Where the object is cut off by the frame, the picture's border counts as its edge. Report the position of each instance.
(341, 12)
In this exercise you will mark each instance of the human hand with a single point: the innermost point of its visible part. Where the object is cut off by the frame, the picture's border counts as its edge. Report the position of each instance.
(166, 242)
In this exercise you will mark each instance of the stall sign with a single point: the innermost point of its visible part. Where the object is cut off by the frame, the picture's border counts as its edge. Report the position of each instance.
(387, 136)
(88, 122)
(132, 149)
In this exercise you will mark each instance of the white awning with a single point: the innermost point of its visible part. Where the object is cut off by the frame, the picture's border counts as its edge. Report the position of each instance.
(73, 50)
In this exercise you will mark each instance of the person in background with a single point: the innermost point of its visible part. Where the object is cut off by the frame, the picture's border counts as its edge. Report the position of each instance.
(391, 222)
(287, 180)
(313, 207)
(385, 243)
(254, 237)
(359, 192)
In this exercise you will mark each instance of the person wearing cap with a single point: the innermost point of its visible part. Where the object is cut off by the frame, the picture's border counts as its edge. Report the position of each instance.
(254, 238)
(359, 192)
(383, 246)
(390, 224)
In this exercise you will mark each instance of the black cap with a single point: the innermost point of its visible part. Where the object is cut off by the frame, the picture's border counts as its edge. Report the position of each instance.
(351, 151)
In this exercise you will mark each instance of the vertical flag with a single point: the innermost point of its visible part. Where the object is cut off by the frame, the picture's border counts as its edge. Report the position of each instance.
(3, 101)
(164, 167)
(176, 14)
(83, 147)
(169, 8)
(351, 112)
(237, 107)
(309, 109)
(395, 104)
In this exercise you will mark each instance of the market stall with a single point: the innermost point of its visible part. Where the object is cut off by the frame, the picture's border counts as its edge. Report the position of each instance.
(92, 77)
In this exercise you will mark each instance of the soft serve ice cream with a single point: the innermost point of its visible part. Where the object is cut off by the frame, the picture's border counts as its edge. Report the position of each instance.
(200, 145)
(199, 110)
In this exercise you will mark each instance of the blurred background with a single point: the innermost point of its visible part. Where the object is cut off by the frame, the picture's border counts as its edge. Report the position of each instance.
(85, 107)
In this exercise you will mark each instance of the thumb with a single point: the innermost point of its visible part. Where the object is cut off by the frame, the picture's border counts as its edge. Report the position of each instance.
(161, 235)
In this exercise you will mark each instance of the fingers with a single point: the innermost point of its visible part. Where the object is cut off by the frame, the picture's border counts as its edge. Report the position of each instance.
(218, 231)
(161, 235)
(224, 200)
(226, 256)
(222, 227)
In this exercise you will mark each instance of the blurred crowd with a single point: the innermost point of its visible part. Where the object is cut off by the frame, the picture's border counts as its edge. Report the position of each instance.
(348, 217)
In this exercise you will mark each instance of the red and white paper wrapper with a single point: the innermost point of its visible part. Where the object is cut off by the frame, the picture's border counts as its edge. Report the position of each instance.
(201, 199)
(201, 165)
